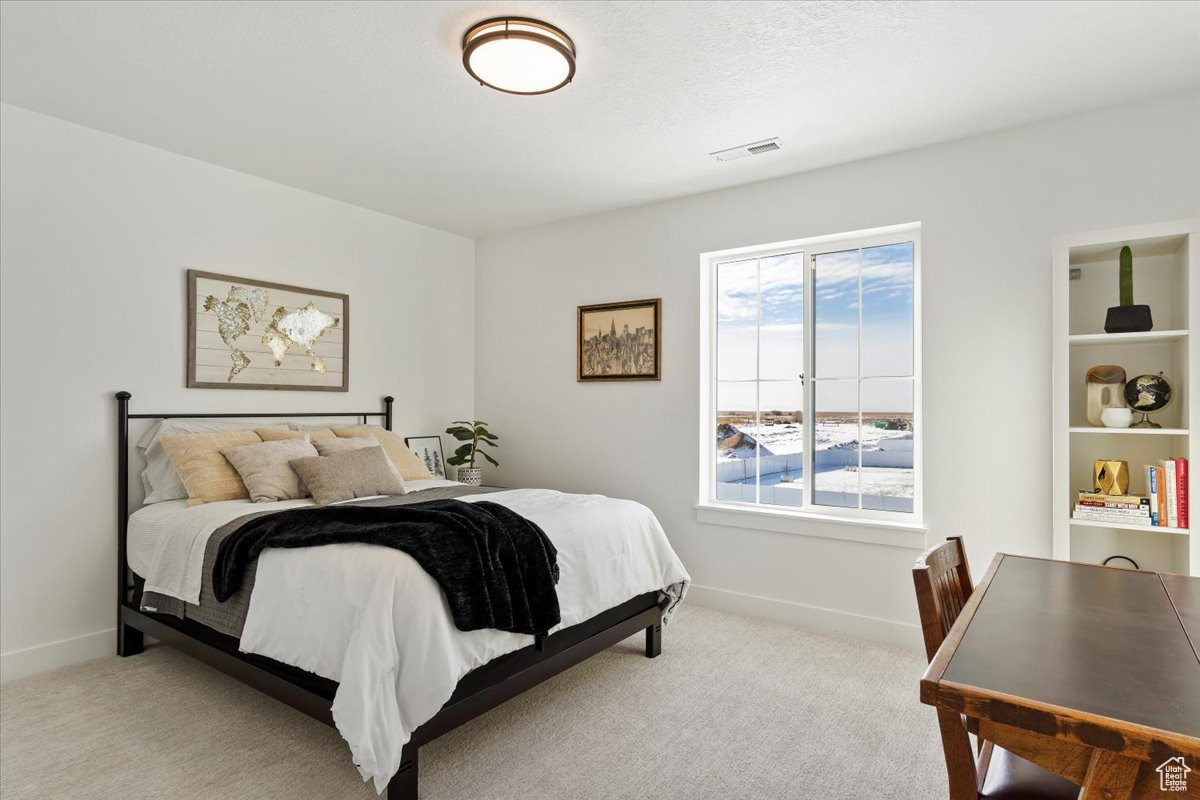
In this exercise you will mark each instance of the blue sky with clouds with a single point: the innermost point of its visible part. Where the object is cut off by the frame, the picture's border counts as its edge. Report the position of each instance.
(775, 286)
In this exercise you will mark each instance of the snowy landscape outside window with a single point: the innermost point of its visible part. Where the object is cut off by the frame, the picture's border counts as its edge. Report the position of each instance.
(814, 376)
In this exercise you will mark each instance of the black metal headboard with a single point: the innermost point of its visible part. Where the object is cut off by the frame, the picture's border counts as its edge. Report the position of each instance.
(125, 584)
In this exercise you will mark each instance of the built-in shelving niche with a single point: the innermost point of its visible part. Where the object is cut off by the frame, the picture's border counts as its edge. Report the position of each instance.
(1165, 263)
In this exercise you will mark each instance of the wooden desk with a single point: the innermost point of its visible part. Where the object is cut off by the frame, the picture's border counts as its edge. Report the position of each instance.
(1091, 672)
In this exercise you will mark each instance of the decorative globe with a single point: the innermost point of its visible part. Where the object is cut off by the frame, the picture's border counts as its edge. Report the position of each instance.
(1147, 393)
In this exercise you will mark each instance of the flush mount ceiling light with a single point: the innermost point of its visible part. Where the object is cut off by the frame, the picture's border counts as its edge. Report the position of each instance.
(519, 55)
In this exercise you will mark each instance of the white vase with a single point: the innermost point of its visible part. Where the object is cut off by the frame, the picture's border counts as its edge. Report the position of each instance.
(1105, 389)
(472, 476)
(1116, 417)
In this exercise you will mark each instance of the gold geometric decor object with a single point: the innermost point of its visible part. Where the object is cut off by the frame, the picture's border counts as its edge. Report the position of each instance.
(1111, 477)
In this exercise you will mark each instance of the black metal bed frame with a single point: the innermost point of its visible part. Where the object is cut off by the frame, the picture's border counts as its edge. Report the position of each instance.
(478, 692)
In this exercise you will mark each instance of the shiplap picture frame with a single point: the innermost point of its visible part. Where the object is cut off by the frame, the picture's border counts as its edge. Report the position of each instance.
(250, 334)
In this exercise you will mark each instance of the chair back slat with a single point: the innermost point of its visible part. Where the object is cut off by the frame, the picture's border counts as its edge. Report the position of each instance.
(943, 583)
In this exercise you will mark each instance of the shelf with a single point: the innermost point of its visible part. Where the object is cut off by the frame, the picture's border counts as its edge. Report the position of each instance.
(1108, 252)
(1117, 526)
(1145, 337)
(1130, 431)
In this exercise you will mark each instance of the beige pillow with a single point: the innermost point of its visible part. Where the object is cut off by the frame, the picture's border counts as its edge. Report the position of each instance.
(279, 434)
(358, 473)
(160, 480)
(409, 465)
(265, 470)
(328, 447)
(206, 474)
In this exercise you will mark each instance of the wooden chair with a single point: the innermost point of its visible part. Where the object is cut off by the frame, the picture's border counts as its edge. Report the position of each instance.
(942, 579)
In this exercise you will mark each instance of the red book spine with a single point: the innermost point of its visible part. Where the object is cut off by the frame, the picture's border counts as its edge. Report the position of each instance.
(1181, 481)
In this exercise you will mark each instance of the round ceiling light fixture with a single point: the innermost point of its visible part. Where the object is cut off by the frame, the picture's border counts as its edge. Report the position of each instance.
(519, 55)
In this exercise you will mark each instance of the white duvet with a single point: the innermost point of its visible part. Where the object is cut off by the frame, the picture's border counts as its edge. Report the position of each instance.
(371, 619)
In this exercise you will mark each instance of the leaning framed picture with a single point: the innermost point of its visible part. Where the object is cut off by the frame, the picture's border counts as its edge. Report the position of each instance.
(249, 334)
(620, 341)
(429, 450)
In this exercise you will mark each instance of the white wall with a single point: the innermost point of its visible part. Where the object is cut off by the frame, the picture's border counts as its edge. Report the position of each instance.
(988, 207)
(97, 233)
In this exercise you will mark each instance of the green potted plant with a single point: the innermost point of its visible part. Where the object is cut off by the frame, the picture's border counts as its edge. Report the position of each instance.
(1127, 317)
(473, 433)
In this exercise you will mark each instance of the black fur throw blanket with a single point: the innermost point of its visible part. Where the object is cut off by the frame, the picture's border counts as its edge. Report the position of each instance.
(496, 568)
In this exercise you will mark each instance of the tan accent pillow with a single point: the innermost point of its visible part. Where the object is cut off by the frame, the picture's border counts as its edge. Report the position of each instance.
(265, 470)
(206, 474)
(411, 468)
(160, 480)
(328, 447)
(279, 434)
(345, 476)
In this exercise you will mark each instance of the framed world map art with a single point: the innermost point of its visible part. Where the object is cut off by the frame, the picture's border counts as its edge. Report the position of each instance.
(248, 334)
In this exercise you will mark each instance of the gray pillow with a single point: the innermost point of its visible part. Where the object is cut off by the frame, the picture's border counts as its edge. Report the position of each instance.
(266, 471)
(364, 472)
(328, 447)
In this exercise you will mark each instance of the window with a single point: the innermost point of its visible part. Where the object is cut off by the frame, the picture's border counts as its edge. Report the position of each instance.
(811, 359)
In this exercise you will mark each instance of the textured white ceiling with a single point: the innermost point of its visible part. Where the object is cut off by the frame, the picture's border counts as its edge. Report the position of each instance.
(369, 103)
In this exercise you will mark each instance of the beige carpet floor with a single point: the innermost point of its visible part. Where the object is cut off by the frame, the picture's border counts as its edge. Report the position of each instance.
(734, 708)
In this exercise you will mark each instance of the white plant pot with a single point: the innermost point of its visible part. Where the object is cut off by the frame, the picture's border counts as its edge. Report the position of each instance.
(470, 476)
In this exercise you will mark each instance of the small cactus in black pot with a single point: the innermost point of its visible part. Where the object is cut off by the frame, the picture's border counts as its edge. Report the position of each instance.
(1127, 317)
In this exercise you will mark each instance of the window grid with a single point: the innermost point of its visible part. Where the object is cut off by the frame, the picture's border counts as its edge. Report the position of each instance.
(757, 381)
(810, 380)
(859, 380)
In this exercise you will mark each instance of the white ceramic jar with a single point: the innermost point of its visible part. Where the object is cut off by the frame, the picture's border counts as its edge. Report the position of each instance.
(1116, 417)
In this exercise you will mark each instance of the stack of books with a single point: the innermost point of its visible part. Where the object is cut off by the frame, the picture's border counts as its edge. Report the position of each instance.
(1120, 509)
(1165, 505)
(1168, 484)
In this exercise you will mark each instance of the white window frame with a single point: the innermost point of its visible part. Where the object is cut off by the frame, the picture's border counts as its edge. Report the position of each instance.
(864, 524)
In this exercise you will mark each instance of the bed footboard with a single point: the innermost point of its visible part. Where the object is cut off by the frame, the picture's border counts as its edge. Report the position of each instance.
(505, 678)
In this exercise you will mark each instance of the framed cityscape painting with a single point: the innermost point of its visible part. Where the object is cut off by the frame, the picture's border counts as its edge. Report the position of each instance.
(429, 450)
(620, 341)
(249, 334)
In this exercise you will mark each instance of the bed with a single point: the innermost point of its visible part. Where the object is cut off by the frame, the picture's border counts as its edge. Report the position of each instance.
(365, 620)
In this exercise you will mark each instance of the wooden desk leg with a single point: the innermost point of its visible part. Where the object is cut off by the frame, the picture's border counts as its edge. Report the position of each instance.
(1109, 777)
(965, 781)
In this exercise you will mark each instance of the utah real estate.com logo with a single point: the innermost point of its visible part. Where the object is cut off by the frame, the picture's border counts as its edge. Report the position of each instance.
(1172, 775)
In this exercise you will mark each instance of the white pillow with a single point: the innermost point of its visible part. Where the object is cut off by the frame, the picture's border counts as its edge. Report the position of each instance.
(160, 480)
(325, 426)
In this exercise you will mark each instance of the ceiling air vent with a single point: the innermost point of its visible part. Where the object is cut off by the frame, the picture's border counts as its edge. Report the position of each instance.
(752, 149)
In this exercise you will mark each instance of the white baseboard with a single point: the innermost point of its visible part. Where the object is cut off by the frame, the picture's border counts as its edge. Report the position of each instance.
(825, 620)
(52, 655)
(32, 660)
